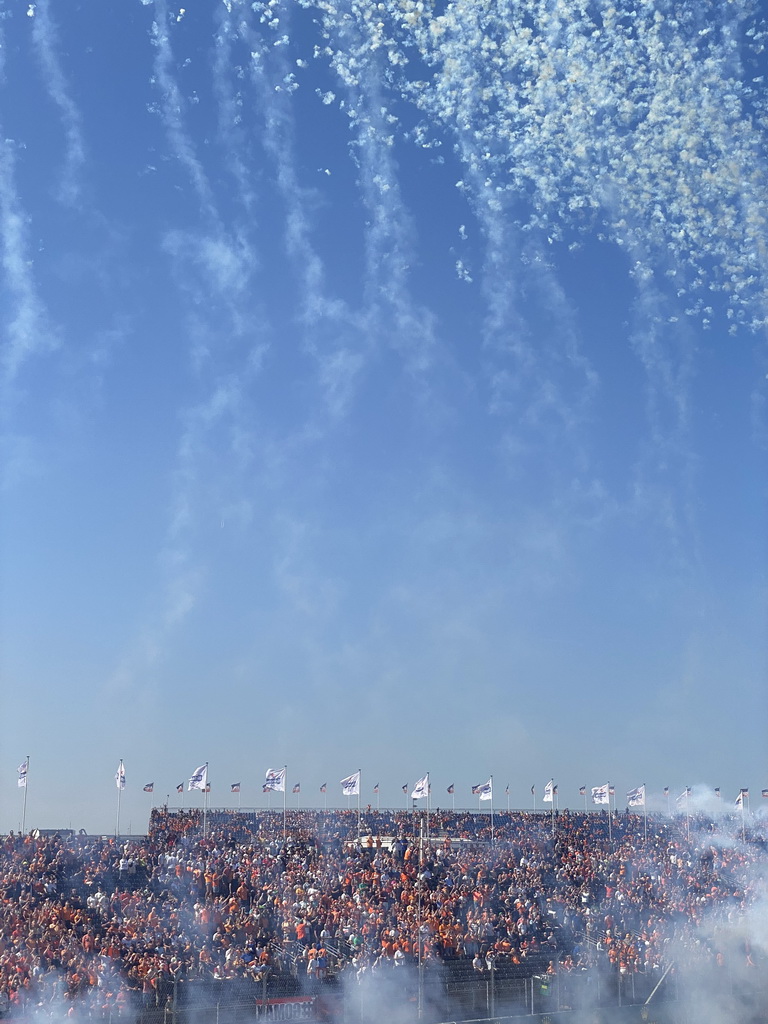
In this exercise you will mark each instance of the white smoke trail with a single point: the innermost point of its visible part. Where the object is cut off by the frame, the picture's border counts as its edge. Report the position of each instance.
(44, 37)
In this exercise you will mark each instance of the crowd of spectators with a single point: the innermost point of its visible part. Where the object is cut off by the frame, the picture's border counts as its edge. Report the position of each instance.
(97, 922)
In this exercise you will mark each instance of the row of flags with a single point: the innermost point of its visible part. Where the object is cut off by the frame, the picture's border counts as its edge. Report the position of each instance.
(275, 781)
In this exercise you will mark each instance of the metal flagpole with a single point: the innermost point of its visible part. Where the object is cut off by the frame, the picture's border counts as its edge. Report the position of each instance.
(119, 793)
(429, 797)
(507, 798)
(205, 801)
(285, 790)
(645, 816)
(24, 806)
(610, 833)
(491, 810)
(359, 787)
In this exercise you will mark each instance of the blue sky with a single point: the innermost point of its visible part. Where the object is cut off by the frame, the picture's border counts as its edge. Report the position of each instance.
(383, 386)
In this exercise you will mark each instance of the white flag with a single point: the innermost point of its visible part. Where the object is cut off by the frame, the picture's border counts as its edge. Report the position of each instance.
(199, 778)
(741, 798)
(600, 794)
(22, 775)
(351, 785)
(119, 776)
(549, 792)
(274, 780)
(636, 797)
(421, 789)
(484, 791)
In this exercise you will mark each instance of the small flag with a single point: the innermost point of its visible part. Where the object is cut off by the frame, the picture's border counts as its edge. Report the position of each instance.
(296, 788)
(484, 790)
(22, 780)
(208, 787)
(451, 789)
(600, 794)
(742, 797)
(717, 792)
(119, 776)
(549, 792)
(199, 779)
(180, 788)
(533, 791)
(405, 788)
(765, 794)
(683, 796)
(274, 780)
(376, 788)
(636, 797)
(235, 787)
(421, 789)
(506, 791)
(666, 791)
(350, 786)
(324, 787)
(611, 791)
(149, 788)
(582, 790)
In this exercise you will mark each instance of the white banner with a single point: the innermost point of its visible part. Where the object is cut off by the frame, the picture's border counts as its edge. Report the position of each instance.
(351, 785)
(199, 778)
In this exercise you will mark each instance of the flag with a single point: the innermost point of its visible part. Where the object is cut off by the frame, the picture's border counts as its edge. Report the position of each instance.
(296, 788)
(405, 788)
(421, 788)
(600, 794)
(549, 792)
(324, 787)
(149, 788)
(235, 787)
(351, 785)
(119, 776)
(582, 790)
(207, 787)
(451, 789)
(484, 790)
(717, 792)
(180, 788)
(683, 796)
(506, 791)
(199, 778)
(533, 791)
(376, 788)
(765, 794)
(274, 780)
(22, 780)
(611, 791)
(636, 797)
(740, 799)
(666, 791)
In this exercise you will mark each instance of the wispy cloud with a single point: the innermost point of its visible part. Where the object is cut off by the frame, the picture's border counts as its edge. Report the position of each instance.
(45, 41)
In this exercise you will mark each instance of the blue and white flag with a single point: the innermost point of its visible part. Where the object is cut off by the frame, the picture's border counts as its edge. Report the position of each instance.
(351, 785)
(421, 789)
(636, 797)
(600, 794)
(199, 778)
(22, 781)
(274, 780)
(119, 776)
(742, 797)
(549, 792)
(484, 790)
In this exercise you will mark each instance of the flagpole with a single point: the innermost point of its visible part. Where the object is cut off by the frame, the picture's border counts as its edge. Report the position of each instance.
(119, 793)
(285, 792)
(533, 794)
(24, 805)
(585, 799)
(610, 832)
(491, 810)
(205, 802)
(645, 816)
(507, 799)
(429, 798)
(687, 816)
(553, 794)
(359, 787)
